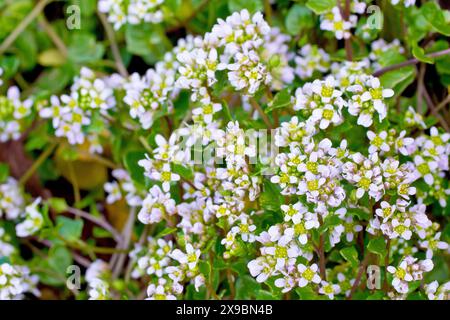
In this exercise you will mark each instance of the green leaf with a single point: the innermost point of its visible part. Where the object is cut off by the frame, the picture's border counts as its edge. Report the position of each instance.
(419, 54)
(298, 18)
(27, 50)
(320, 6)
(185, 172)
(226, 111)
(378, 295)
(435, 17)
(10, 65)
(351, 255)
(83, 48)
(330, 221)
(270, 198)
(52, 271)
(307, 293)
(377, 246)
(246, 287)
(166, 232)
(390, 57)
(251, 5)
(131, 160)
(58, 204)
(69, 229)
(265, 295)
(55, 79)
(281, 100)
(4, 172)
(205, 268)
(398, 79)
(147, 40)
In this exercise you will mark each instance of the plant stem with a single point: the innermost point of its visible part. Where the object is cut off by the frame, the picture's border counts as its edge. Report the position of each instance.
(433, 109)
(443, 103)
(321, 253)
(36, 164)
(261, 112)
(231, 284)
(409, 62)
(420, 87)
(145, 144)
(114, 48)
(23, 24)
(386, 263)
(126, 239)
(53, 36)
(268, 11)
(362, 267)
(98, 221)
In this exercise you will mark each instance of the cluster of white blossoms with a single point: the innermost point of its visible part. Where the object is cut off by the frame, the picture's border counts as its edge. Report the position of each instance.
(380, 46)
(6, 248)
(152, 94)
(122, 188)
(16, 281)
(325, 183)
(406, 3)
(168, 267)
(33, 220)
(341, 174)
(77, 116)
(12, 200)
(311, 58)
(13, 114)
(335, 21)
(435, 291)
(409, 269)
(235, 46)
(121, 12)
(98, 279)
(323, 101)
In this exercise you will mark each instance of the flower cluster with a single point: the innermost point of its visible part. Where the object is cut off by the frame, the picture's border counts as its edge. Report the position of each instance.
(16, 281)
(121, 12)
(81, 114)
(241, 157)
(14, 114)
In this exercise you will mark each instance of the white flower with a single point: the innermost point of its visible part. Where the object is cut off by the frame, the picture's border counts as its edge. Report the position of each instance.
(425, 168)
(244, 228)
(33, 220)
(190, 257)
(165, 176)
(308, 274)
(15, 281)
(329, 289)
(367, 99)
(386, 210)
(11, 199)
(378, 142)
(433, 244)
(156, 206)
(311, 59)
(260, 268)
(159, 291)
(302, 223)
(436, 292)
(334, 22)
(98, 269)
(292, 210)
(113, 190)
